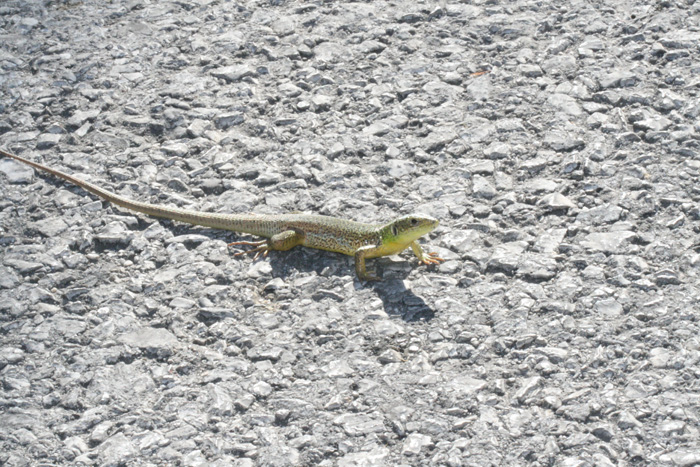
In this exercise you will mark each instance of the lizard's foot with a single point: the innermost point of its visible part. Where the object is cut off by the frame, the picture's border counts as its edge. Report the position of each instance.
(432, 258)
(369, 277)
(261, 248)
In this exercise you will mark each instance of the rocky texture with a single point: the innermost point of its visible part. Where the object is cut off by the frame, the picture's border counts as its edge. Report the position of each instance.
(557, 142)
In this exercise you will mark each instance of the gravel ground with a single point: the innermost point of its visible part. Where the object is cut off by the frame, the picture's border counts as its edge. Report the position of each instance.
(557, 142)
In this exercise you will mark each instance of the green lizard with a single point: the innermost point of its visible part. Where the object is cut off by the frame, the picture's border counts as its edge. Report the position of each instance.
(285, 231)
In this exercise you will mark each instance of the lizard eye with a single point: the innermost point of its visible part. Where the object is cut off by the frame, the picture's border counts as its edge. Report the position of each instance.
(414, 221)
(394, 230)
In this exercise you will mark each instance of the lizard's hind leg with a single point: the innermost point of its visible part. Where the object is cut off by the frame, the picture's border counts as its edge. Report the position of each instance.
(282, 241)
(261, 247)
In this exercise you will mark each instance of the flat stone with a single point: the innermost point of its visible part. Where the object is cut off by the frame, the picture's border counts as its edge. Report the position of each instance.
(506, 257)
(415, 443)
(175, 149)
(609, 308)
(608, 242)
(565, 103)
(530, 70)
(482, 187)
(47, 140)
(560, 64)
(653, 123)
(682, 457)
(528, 389)
(50, 227)
(359, 424)
(150, 339)
(467, 385)
(80, 117)
(497, 150)
(16, 172)
(616, 79)
(233, 73)
(22, 266)
(560, 141)
(398, 168)
(375, 458)
(115, 450)
(226, 121)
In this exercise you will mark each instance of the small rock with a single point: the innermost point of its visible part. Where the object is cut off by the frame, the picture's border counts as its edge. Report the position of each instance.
(23, 267)
(233, 73)
(244, 402)
(506, 257)
(667, 277)
(530, 70)
(672, 427)
(618, 79)
(339, 369)
(415, 443)
(50, 227)
(608, 242)
(100, 432)
(79, 117)
(561, 142)
(390, 356)
(653, 123)
(377, 457)
(27, 24)
(560, 64)
(608, 308)
(603, 214)
(399, 168)
(175, 149)
(626, 420)
(47, 140)
(603, 433)
(262, 389)
(482, 188)
(529, 388)
(359, 424)
(497, 150)
(157, 341)
(565, 103)
(376, 129)
(115, 450)
(682, 457)
(556, 201)
(659, 357)
(16, 172)
(226, 121)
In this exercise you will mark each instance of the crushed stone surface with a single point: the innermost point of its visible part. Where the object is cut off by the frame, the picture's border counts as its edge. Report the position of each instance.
(557, 143)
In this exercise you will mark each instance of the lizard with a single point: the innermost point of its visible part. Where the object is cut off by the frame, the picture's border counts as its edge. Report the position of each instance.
(283, 232)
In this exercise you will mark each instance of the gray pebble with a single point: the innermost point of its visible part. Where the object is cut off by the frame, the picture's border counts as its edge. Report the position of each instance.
(482, 188)
(608, 242)
(233, 73)
(16, 172)
(359, 424)
(47, 140)
(415, 443)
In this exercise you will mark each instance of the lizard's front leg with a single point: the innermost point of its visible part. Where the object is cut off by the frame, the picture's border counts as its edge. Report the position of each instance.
(430, 258)
(360, 256)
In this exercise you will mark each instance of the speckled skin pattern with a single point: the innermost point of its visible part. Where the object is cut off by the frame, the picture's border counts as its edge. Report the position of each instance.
(314, 231)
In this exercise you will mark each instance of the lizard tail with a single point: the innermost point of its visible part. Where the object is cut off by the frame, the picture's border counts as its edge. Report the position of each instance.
(240, 222)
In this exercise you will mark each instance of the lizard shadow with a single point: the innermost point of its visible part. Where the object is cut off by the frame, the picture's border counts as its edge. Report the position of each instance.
(399, 300)
(396, 298)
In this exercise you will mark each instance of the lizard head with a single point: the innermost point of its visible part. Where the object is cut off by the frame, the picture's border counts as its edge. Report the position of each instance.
(405, 229)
